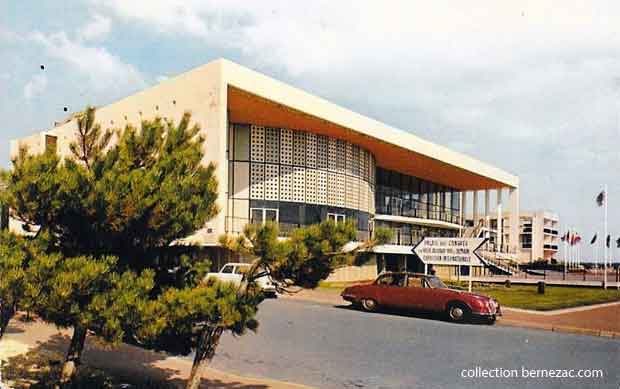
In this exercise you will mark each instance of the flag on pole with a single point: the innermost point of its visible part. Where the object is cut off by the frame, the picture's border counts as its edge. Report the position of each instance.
(593, 239)
(564, 237)
(575, 238)
(608, 240)
(600, 199)
(618, 243)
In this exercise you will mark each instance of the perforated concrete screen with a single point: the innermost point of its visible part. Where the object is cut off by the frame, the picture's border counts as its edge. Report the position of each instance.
(299, 184)
(257, 180)
(311, 149)
(257, 143)
(272, 176)
(311, 176)
(298, 166)
(286, 147)
(286, 183)
(299, 148)
(272, 145)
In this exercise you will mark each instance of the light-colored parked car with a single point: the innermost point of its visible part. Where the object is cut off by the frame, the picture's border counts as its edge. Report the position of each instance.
(234, 272)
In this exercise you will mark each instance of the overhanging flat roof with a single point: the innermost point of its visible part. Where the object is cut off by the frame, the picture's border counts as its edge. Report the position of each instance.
(258, 99)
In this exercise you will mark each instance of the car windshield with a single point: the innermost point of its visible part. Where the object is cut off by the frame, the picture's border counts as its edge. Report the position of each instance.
(435, 283)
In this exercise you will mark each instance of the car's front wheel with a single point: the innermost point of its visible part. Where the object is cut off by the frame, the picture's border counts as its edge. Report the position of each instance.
(369, 305)
(458, 312)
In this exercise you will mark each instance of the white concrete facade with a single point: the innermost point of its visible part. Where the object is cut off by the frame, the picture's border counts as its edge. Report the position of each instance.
(222, 94)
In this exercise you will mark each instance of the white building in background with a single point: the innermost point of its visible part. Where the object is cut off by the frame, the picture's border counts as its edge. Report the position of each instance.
(538, 238)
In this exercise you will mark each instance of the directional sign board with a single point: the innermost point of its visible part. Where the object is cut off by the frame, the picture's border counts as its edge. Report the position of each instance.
(449, 251)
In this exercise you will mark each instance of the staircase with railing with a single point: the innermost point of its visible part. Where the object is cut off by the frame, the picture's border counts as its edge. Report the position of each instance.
(500, 261)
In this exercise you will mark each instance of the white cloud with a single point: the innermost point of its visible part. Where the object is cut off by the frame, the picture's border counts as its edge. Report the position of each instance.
(98, 28)
(104, 70)
(35, 86)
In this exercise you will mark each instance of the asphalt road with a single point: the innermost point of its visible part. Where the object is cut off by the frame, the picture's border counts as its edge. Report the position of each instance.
(330, 347)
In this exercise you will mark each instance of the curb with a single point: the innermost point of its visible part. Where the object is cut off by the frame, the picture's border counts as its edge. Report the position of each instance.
(562, 329)
(562, 311)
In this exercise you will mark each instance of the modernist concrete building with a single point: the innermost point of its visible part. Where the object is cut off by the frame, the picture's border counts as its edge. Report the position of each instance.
(538, 237)
(283, 154)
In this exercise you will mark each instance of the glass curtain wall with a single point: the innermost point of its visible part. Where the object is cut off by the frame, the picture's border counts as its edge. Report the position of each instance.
(402, 195)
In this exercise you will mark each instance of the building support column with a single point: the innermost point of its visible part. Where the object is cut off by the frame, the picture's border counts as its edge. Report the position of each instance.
(475, 210)
(499, 196)
(500, 221)
(463, 209)
(513, 199)
(487, 202)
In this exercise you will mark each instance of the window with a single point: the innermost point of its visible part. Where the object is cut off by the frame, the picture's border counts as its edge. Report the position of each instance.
(228, 269)
(336, 217)
(241, 269)
(263, 215)
(415, 282)
(396, 279)
(50, 143)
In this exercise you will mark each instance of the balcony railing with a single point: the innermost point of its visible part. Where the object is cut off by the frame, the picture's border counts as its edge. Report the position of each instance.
(417, 209)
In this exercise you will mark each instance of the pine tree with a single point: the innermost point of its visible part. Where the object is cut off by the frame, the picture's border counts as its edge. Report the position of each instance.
(110, 209)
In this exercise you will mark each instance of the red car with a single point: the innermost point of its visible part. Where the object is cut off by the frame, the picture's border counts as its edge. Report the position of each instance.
(422, 292)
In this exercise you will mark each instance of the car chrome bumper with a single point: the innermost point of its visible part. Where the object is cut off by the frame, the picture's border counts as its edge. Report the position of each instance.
(348, 297)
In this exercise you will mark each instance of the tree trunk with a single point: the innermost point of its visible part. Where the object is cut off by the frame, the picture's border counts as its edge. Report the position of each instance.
(205, 350)
(74, 355)
(6, 314)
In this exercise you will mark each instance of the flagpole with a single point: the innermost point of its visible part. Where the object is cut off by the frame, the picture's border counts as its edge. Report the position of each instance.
(565, 253)
(596, 256)
(606, 199)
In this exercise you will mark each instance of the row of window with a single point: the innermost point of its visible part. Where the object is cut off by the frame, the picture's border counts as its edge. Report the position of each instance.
(264, 215)
(403, 195)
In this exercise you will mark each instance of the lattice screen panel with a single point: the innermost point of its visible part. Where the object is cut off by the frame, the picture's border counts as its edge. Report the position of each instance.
(290, 165)
(321, 187)
(311, 189)
(372, 171)
(272, 175)
(299, 148)
(257, 144)
(257, 181)
(299, 184)
(364, 199)
(341, 156)
(350, 167)
(332, 189)
(332, 154)
(311, 150)
(272, 143)
(352, 192)
(340, 190)
(286, 183)
(286, 147)
(322, 151)
(365, 163)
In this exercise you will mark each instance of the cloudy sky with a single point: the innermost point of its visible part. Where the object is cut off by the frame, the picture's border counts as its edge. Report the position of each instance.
(530, 86)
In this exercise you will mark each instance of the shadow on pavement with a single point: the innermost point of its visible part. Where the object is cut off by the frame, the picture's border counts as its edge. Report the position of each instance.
(103, 367)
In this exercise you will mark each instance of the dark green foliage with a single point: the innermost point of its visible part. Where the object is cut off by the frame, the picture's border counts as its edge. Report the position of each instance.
(180, 315)
(148, 189)
(109, 212)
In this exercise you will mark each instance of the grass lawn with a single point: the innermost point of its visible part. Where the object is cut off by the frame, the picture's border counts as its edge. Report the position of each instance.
(555, 297)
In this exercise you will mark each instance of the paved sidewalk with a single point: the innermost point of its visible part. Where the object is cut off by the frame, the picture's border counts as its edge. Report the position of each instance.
(597, 320)
(124, 361)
